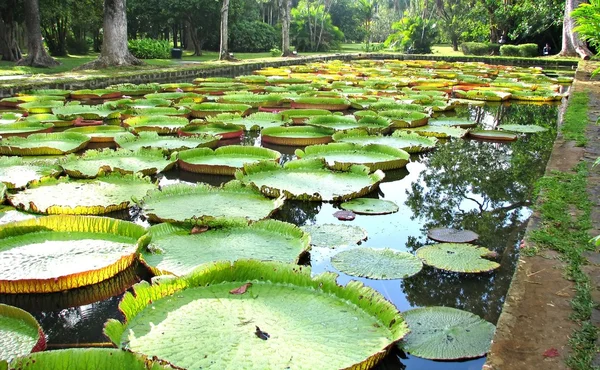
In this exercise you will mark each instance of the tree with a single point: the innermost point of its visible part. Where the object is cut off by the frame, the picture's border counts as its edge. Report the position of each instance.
(223, 48)
(452, 20)
(285, 7)
(36, 53)
(572, 44)
(312, 28)
(115, 51)
(55, 19)
(368, 9)
(9, 48)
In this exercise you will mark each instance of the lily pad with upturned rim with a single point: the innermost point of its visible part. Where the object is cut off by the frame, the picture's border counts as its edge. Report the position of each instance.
(17, 174)
(20, 333)
(380, 264)
(448, 235)
(400, 139)
(224, 160)
(203, 110)
(296, 135)
(44, 144)
(453, 122)
(224, 130)
(525, 129)
(175, 250)
(24, 128)
(88, 112)
(445, 333)
(253, 122)
(160, 124)
(493, 135)
(55, 253)
(92, 197)
(168, 144)
(334, 235)
(370, 206)
(466, 258)
(208, 205)
(279, 307)
(442, 132)
(100, 134)
(310, 180)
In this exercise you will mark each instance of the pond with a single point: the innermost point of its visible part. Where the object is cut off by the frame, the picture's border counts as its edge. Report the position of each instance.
(478, 185)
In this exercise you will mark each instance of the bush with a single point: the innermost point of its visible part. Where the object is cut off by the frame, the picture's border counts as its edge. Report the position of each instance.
(528, 50)
(414, 35)
(78, 47)
(510, 51)
(150, 48)
(275, 52)
(252, 37)
(480, 48)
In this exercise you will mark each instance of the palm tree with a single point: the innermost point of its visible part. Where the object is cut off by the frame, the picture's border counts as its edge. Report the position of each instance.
(368, 10)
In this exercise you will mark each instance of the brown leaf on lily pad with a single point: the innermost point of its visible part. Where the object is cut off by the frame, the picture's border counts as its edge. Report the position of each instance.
(345, 215)
(199, 229)
(551, 352)
(241, 290)
(261, 334)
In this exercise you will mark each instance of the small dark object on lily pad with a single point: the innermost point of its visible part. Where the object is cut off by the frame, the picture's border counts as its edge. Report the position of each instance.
(345, 215)
(443, 235)
(551, 352)
(241, 290)
(199, 229)
(261, 334)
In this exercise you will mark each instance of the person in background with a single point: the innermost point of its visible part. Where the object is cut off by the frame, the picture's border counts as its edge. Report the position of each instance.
(546, 50)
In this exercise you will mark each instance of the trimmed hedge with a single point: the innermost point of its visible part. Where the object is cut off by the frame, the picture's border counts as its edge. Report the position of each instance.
(523, 50)
(150, 48)
(252, 37)
(480, 48)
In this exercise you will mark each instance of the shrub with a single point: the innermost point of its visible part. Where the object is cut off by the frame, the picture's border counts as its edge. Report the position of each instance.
(253, 37)
(275, 52)
(480, 48)
(510, 51)
(528, 50)
(414, 35)
(150, 48)
(78, 47)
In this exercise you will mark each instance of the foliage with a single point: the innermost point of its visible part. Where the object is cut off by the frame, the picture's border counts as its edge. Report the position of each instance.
(252, 37)
(480, 48)
(510, 51)
(150, 48)
(452, 20)
(528, 50)
(587, 18)
(78, 46)
(311, 28)
(414, 35)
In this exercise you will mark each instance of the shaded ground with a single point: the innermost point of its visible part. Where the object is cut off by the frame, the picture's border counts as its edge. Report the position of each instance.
(535, 326)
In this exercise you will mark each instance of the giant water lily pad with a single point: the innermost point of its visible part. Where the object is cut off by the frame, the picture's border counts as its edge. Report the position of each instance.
(526, 129)
(41, 106)
(16, 173)
(168, 144)
(453, 122)
(442, 132)
(466, 258)
(91, 197)
(296, 135)
(310, 180)
(224, 160)
(93, 162)
(255, 121)
(203, 110)
(400, 139)
(175, 250)
(160, 124)
(370, 206)
(224, 130)
(341, 156)
(86, 359)
(493, 135)
(204, 204)
(405, 119)
(446, 235)
(445, 333)
(55, 253)
(90, 112)
(20, 333)
(100, 134)
(333, 235)
(24, 128)
(44, 144)
(384, 264)
(284, 319)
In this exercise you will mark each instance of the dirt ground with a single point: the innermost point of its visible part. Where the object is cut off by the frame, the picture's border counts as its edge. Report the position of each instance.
(535, 320)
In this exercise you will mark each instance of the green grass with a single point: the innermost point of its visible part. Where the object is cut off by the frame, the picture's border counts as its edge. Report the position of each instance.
(576, 119)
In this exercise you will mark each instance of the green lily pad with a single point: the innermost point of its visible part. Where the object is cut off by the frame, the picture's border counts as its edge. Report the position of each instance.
(48, 118)
(160, 124)
(71, 112)
(203, 110)
(492, 135)
(253, 122)
(44, 144)
(445, 333)
(334, 122)
(467, 258)
(57, 92)
(207, 205)
(55, 253)
(224, 130)
(17, 174)
(224, 160)
(301, 115)
(526, 129)
(175, 250)
(370, 206)
(341, 156)
(310, 180)
(333, 235)
(159, 111)
(329, 103)
(442, 132)
(254, 100)
(444, 235)
(86, 359)
(20, 333)
(24, 128)
(9, 117)
(100, 134)
(94, 163)
(405, 118)
(256, 326)
(400, 139)
(168, 144)
(381, 264)
(95, 94)
(41, 106)
(91, 197)
(453, 122)
(296, 135)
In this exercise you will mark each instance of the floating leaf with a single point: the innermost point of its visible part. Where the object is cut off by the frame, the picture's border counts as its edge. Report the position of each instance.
(224, 130)
(224, 160)
(344, 215)
(341, 156)
(465, 258)
(445, 235)
(182, 252)
(100, 134)
(332, 235)
(297, 312)
(400, 139)
(91, 112)
(372, 263)
(492, 135)
(444, 333)
(203, 110)
(203, 203)
(526, 129)
(370, 206)
(168, 144)
(55, 253)
(296, 135)
(44, 144)
(20, 333)
(160, 124)
(24, 128)
(442, 132)
(17, 174)
(255, 121)
(453, 121)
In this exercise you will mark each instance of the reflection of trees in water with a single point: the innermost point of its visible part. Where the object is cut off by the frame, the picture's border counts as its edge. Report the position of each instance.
(485, 187)
(298, 212)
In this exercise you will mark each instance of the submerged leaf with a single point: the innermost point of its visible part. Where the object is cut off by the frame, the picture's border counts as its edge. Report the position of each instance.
(332, 235)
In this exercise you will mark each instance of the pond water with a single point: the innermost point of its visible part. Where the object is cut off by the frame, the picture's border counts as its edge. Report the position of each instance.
(482, 186)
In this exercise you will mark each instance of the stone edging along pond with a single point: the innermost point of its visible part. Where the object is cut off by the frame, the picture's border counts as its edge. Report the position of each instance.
(187, 72)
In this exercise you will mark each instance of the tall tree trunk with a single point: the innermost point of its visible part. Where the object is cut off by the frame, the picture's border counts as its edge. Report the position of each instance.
(36, 54)
(9, 48)
(572, 45)
(175, 41)
(115, 52)
(224, 48)
(285, 8)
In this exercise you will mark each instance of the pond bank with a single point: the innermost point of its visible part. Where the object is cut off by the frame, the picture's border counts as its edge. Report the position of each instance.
(550, 317)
